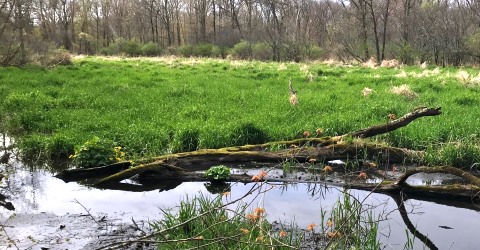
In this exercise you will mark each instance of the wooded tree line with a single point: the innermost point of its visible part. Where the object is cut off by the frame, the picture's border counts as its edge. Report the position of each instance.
(443, 32)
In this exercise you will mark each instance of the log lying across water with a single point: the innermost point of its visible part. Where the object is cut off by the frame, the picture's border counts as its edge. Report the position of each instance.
(182, 166)
(300, 150)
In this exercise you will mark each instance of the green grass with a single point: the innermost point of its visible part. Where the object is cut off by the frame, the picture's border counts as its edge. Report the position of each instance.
(351, 225)
(219, 223)
(206, 223)
(155, 107)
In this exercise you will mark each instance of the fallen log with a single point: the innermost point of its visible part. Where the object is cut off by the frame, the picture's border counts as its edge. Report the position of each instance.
(203, 159)
(300, 150)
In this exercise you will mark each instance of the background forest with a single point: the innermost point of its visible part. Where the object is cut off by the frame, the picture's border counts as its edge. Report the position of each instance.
(442, 32)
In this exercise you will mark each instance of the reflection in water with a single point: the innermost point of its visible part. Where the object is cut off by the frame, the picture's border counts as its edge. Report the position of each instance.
(37, 191)
(434, 179)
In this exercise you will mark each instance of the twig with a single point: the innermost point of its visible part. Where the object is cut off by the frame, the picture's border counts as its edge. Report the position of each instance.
(88, 212)
(8, 237)
(137, 227)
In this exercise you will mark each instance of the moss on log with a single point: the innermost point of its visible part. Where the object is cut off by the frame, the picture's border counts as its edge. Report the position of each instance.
(203, 159)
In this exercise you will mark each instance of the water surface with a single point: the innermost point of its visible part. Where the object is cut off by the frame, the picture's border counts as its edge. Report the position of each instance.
(36, 191)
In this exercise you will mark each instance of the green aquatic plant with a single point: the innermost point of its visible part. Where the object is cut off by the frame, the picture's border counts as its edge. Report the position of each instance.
(218, 173)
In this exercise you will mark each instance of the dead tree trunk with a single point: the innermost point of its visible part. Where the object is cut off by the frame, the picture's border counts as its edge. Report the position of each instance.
(300, 150)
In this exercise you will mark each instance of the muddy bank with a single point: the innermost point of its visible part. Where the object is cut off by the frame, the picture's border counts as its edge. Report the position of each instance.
(71, 231)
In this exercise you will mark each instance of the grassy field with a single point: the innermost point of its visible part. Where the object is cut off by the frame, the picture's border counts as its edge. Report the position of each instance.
(162, 105)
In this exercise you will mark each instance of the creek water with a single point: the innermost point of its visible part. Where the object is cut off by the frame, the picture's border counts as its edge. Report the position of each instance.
(34, 191)
(448, 227)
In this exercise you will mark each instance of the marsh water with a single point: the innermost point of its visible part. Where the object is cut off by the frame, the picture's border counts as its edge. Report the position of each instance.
(35, 192)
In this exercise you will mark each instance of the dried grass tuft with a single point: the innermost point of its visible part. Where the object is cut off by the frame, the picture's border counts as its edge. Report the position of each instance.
(282, 67)
(332, 61)
(311, 77)
(428, 73)
(390, 63)
(402, 74)
(304, 68)
(238, 63)
(293, 99)
(463, 76)
(367, 91)
(475, 81)
(404, 90)
(424, 65)
(371, 63)
(467, 79)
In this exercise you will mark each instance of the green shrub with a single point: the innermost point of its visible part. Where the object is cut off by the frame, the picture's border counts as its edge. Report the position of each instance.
(262, 51)
(97, 152)
(151, 49)
(172, 50)
(203, 50)
(406, 54)
(473, 42)
(312, 52)
(132, 48)
(107, 51)
(217, 51)
(186, 50)
(118, 47)
(242, 50)
(218, 173)
(291, 52)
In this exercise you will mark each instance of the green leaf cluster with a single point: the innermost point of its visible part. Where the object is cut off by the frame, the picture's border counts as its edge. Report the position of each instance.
(218, 173)
(97, 152)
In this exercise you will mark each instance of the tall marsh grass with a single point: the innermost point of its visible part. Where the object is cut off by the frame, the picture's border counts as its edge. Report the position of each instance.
(161, 105)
